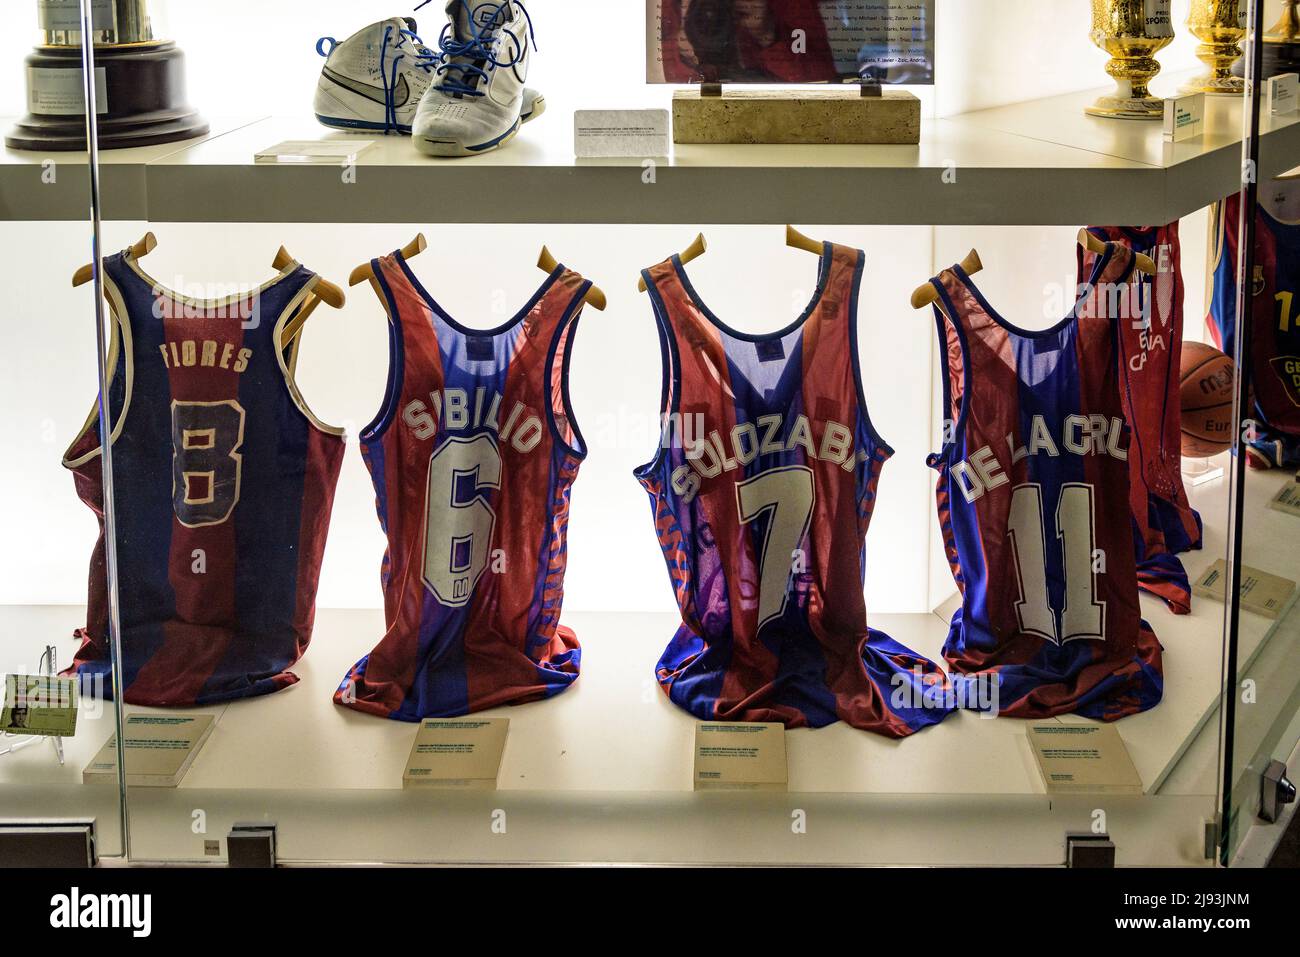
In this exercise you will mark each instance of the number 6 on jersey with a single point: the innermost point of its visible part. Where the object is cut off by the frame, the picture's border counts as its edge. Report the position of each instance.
(458, 521)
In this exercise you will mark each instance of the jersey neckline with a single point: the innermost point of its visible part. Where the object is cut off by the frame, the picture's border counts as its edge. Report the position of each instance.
(207, 304)
(464, 330)
(1098, 268)
(823, 276)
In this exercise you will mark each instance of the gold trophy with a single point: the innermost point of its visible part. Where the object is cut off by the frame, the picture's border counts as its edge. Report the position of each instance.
(1220, 25)
(1131, 31)
(140, 78)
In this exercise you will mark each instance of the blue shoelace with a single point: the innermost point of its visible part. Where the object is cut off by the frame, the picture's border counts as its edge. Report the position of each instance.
(423, 59)
(462, 79)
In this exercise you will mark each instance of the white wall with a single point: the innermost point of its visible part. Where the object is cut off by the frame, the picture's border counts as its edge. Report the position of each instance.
(258, 57)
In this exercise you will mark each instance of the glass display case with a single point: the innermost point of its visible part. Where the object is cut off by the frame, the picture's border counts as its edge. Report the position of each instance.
(374, 566)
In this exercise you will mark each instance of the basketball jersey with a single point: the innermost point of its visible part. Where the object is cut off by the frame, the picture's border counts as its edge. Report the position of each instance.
(1150, 346)
(473, 456)
(223, 481)
(762, 491)
(1274, 306)
(1033, 499)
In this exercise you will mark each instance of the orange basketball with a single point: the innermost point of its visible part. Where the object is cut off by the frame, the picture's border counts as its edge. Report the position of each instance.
(1207, 382)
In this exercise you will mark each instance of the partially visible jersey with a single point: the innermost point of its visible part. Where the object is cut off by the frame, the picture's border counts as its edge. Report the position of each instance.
(473, 457)
(223, 482)
(1033, 499)
(762, 491)
(1274, 311)
(1150, 319)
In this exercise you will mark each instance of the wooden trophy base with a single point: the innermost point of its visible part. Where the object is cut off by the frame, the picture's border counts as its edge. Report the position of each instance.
(811, 116)
(141, 92)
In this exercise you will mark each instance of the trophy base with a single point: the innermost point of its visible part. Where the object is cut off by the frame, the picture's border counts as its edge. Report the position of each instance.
(1128, 108)
(1215, 86)
(1279, 57)
(141, 93)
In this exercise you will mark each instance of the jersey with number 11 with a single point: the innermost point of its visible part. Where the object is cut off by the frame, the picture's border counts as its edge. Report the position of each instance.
(1033, 501)
(472, 456)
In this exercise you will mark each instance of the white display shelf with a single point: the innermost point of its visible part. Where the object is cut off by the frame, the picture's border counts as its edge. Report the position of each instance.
(1042, 162)
(603, 772)
(55, 186)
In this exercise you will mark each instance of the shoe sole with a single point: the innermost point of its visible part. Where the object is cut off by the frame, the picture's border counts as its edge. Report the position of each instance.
(340, 123)
(453, 148)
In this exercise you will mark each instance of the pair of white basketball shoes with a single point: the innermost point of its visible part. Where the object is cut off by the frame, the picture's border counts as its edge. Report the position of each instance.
(465, 98)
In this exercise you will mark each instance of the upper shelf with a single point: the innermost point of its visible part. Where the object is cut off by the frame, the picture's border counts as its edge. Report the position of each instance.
(1041, 162)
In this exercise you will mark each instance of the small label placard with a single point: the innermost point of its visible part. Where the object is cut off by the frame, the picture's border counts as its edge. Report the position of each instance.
(60, 92)
(457, 753)
(1287, 499)
(620, 134)
(342, 152)
(159, 749)
(39, 704)
(740, 756)
(1083, 759)
(1184, 117)
(1282, 93)
(1262, 593)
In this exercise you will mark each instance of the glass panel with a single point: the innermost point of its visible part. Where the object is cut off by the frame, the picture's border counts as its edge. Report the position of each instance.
(241, 609)
(52, 352)
(1262, 228)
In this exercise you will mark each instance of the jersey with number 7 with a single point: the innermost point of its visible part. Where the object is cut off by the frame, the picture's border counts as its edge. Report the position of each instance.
(223, 483)
(762, 491)
(472, 456)
(1033, 498)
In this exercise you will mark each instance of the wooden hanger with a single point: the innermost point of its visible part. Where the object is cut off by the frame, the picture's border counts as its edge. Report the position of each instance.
(798, 240)
(324, 291)
(694, 251)
(923, 296)
(1143, 263)
(366, 272)
(594, 298)
(148, 242)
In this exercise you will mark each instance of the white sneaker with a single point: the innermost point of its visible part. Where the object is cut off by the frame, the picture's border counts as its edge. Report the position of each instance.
(477, 101)
(374, 79)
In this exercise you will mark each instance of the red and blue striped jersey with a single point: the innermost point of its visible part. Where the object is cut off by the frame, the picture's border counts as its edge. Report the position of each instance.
(1150, 349)
(1033, 499)
(762, 491)
(223, 481)
(1274, 360)
(473, 457)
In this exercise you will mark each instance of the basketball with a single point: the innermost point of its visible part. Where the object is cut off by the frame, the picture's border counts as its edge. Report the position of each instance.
(1207, 383)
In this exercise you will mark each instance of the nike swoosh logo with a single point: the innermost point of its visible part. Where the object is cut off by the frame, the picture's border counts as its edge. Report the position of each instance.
(401, 95)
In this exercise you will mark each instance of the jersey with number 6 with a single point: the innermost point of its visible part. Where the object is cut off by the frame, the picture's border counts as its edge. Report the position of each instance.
(472, 456)
(762, 491)
(1033, 498)
(223, 483)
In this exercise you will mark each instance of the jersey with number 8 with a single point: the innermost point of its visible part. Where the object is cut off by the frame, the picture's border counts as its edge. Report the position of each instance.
(762, 491)
(472, 456)
(1033, 498)
(224, 483)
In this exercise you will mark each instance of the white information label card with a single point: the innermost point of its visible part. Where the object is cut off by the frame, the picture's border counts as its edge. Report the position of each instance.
(328, 152)
(620, 134)
(740, 756)
(1184, 117)
(1282, 93)
(159, 749)
(457, 753)
(1083, 759)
